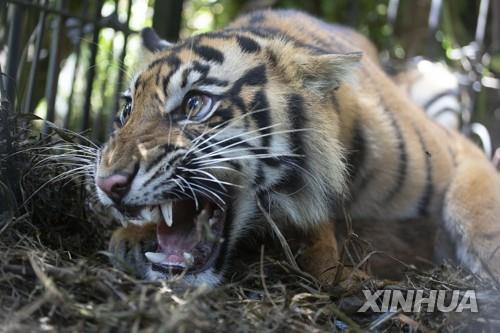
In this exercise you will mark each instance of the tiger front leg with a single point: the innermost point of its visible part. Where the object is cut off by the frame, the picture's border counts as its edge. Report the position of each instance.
(320, 258)
(128, 245)
(472, 216)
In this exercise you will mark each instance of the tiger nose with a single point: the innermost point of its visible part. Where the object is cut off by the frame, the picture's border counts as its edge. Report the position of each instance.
(115, 186)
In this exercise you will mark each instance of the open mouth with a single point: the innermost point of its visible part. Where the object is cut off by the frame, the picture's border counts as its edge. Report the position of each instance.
(188, 234)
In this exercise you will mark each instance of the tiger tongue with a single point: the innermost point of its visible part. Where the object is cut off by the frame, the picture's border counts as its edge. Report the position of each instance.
(182, 236)
(179, 238)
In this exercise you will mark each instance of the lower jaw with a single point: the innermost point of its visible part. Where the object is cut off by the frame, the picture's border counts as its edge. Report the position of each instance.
(209, 277)
(172, 271)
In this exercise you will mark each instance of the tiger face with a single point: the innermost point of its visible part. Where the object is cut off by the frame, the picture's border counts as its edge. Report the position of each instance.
(211, 125)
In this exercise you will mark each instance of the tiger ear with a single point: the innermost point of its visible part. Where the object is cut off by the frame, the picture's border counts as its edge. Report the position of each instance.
(152, 42)
(319, 74)
(327, 72)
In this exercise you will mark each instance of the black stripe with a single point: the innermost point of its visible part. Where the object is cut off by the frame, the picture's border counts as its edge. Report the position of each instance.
(438, 96)
(138, 82)
(292, 180)
(273, 33)
(455, 112)
(428, 191)
(215, 35)
(201, 68)
(403, 159)
(238, 102)
(357, 154)
(298, 120)
(225, 114)
(157, 98)
(208, 53)
(248, 45)
(403, 156)
(262, 116)
(166, 149)
(235, 142)
(259, 106)
(212, 81)
(196, 67)
(207, 150)
(175, 64)
(252, 77)
(262, 32)
(260, 177)
(171, 60)
(160, 171)
(185, 75)
(160, 184)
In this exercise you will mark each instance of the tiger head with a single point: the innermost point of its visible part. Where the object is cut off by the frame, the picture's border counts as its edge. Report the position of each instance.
(214, 127)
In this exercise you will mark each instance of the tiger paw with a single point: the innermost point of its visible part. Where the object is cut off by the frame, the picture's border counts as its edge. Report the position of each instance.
(128, 245)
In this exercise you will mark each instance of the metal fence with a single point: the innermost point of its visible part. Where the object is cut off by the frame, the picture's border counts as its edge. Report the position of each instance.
(52, 40)
(56, 67)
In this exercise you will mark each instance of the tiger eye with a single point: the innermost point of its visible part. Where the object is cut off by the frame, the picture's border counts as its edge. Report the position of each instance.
(197, 106)
(194, 105)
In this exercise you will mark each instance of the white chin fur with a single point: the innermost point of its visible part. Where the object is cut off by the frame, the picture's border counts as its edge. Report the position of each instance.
(207, 277)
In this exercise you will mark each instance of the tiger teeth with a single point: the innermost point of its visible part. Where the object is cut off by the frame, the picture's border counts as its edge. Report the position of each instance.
(149, 214)
(155, 214)
(155, 258)
(146, 214)
(166, 210)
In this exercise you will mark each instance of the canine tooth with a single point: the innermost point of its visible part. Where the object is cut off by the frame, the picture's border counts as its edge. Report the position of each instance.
(146, 214)
(155, 258)
(212, 221)
(155, 214)
(188, 258)
(166, 210)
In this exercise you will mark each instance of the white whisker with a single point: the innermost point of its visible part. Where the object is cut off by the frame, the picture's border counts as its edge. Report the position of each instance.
(246, 157)
(231, 121)
(189, 185)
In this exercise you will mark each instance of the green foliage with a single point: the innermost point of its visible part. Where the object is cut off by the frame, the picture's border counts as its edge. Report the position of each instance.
(406, 37)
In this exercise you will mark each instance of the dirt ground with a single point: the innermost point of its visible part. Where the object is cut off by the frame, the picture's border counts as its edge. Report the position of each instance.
(55, 276)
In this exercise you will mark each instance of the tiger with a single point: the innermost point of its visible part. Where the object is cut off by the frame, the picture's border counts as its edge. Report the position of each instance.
(282, 119)
(433, 87)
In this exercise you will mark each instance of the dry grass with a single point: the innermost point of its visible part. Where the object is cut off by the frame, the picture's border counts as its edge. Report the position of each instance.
(55, 277)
